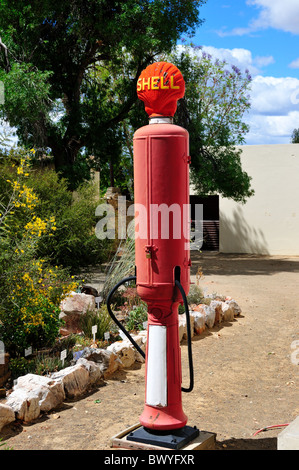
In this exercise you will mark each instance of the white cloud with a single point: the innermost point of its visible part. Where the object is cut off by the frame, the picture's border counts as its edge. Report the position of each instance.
(274, 112)
(241, 58)
(277, 14)
(294, 64)
(274, 96)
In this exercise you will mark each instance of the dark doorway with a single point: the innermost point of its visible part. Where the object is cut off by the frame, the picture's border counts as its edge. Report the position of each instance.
(210, 205)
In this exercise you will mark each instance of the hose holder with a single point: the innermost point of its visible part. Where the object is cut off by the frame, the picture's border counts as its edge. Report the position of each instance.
(122, 328)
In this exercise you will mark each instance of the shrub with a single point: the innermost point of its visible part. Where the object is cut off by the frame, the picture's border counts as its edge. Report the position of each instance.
(74, 244)
(42, 364)
(30, 289)
(136, 317)
(29, 315)
(99, 317)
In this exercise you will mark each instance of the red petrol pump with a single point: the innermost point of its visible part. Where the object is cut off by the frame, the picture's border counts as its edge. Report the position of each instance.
(162, 254)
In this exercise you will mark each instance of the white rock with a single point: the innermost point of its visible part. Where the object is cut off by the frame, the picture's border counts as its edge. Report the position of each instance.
(77, 303)
(227, 312)
(199, 322)
(25, 404)
(210, 316)
(49, 391)
(75, 380)
(141, 340)
(106, 360)
(217, 305)
(183, 326)
(234, 306)
(124, 351)
(94, 370)
(7, 415)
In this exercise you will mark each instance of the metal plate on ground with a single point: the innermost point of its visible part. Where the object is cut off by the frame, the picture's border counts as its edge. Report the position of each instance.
(205, 441)
(174, 439)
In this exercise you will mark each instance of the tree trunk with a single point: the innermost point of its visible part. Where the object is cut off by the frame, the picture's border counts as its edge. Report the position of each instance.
(111, 173)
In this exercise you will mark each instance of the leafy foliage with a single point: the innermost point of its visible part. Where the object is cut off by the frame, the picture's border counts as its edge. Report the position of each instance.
(216, 100)
(30, 288)
(55, 47)
(295, 136)
(136, 317)
(100, 318)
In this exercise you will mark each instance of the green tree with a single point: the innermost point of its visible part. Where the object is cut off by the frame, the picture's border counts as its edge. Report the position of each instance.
(51, 47)
(212, 110)
(295, 136)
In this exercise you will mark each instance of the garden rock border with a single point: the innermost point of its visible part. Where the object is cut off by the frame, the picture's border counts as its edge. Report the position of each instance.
(33, 394)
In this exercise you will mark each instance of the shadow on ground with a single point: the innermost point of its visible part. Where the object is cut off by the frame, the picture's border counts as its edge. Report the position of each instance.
(248, 444)
(214, 263)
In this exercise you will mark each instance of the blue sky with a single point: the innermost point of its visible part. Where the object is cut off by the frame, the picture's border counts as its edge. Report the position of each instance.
(263, 36)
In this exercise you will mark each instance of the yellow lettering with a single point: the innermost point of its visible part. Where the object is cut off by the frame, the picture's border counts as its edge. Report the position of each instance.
(163, 87)
(146, 83)
(139, 84)
(172, 85)
(155, 83)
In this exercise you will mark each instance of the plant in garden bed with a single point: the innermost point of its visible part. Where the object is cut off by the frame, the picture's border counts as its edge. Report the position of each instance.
(41, 364)
(136, 317)
(99, 317)
(30, 289)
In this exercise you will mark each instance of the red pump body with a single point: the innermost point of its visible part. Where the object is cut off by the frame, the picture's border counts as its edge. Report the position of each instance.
(161, 180)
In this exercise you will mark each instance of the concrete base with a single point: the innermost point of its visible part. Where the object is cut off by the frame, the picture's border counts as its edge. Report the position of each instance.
(288, 439)
(204, 441)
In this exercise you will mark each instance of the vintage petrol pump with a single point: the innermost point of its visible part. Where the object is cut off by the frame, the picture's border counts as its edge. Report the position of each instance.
(162, 254)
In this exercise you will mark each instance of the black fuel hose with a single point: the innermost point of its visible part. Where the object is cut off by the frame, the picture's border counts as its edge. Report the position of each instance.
(122, 328)
(118, 323)
(188, 323)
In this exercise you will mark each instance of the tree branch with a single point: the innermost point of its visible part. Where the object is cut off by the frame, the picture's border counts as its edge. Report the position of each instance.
(4, 48)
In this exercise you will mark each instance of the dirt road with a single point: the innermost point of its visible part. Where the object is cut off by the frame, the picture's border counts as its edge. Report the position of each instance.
(245, 378)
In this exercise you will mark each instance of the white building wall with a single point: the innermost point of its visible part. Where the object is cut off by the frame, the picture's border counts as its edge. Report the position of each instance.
(268, 223)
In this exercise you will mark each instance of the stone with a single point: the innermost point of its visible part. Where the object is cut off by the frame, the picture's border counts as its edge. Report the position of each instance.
(106, 360)
(7, 415)
(76, 302)
(72, 308)
(141, 339)
(217, 305)
(227, 312)
(182, 327)
(199, 322)
(124, 351)
(50, 392)
(209, 314)
(75, 380)
(89, 290)
(183, 323)
(95, 373)
(234, 306)
(24, 404)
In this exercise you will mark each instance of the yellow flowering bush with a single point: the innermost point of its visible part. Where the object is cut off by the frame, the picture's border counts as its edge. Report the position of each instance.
(30, 288)
(33, 315)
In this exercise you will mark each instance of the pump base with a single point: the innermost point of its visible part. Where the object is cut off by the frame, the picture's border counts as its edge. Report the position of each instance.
(175, 439)
(204, 441)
